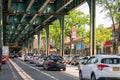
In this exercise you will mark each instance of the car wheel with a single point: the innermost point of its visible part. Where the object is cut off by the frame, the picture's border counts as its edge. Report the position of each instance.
(93, 77)
(64, 69)
(43, 67)
(80, 76)
(46, 68)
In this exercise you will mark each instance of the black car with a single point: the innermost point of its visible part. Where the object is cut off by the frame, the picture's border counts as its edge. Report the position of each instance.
(54, 62)
(11, 55)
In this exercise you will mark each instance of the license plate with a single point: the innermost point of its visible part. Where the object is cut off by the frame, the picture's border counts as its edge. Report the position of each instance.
(116, 69)
(57, 62)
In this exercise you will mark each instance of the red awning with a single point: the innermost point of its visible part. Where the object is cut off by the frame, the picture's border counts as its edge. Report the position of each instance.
(107, 43)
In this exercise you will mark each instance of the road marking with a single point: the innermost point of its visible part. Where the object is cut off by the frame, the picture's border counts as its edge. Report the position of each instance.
(21, 72)
(65, 73)
(13, 73)
(39, 71)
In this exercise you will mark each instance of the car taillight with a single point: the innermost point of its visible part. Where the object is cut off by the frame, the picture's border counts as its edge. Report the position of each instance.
(101, 66)
(51, 61)
(33, 58)
(40, 60)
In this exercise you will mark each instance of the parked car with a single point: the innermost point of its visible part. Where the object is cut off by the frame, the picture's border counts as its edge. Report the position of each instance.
(101, 67)
(3, 60)
(54, 61)
(16, 55)
(81, 60)
(11, 55)
(75, 59)
(28, 56)
(33, 58)
(40, 60)
(118, 54)
(67, 58)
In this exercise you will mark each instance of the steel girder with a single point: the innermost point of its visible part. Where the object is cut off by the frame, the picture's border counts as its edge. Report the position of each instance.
(23, 18)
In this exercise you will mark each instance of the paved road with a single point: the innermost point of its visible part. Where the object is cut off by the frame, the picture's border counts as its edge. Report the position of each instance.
(28, 71)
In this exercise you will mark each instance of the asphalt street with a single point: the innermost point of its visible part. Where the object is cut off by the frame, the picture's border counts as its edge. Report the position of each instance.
(20, 70)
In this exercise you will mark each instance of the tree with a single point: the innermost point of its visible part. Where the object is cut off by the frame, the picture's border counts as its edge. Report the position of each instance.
(87, 38)
(111, 6)
(78, 20)
(43, 37)
(55, 33)
(102, 34)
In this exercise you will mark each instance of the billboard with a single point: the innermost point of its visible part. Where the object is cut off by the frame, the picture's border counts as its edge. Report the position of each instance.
(80, 46)
(73, 33)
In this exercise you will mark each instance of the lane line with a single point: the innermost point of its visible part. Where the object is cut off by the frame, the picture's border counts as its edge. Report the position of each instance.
(21, 72)
(39, 71)
(49, 74)
(13, 72)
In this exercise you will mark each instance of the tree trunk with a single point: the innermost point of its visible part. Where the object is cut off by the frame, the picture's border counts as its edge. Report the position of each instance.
(70, 45)
(115, 33)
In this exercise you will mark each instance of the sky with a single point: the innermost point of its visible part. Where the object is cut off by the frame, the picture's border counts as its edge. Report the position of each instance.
(100, 17)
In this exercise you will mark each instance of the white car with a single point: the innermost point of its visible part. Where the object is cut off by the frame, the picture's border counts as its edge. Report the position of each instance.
(28, 57)
(33, 59)
(83, 59)
(101, 67)
(40, 60)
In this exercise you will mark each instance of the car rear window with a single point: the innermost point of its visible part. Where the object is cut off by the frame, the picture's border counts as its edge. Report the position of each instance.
(111, 60)
(56, 57)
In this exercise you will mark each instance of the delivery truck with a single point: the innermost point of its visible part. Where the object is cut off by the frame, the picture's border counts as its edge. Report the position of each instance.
(5, 52)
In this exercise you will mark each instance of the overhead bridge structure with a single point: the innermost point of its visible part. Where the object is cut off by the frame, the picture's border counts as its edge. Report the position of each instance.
(20, 20)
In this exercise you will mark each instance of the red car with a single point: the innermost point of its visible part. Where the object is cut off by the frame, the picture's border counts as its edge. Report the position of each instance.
(3, 60)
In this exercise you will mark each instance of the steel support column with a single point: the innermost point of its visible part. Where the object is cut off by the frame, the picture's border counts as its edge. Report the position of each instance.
(32, 44)
(92, 8)
(47, 40)
(62, 34)
(28, 45)
(23, 53)
(38, 35)
(1, 33)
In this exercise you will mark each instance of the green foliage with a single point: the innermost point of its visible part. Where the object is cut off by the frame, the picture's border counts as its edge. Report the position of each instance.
(55, 33)
(87, 38)
(78, 20)
(102, 34)
(43, 34)
(111, 6)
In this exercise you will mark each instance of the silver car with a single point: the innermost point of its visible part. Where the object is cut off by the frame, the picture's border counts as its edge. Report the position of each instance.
(40, 60)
